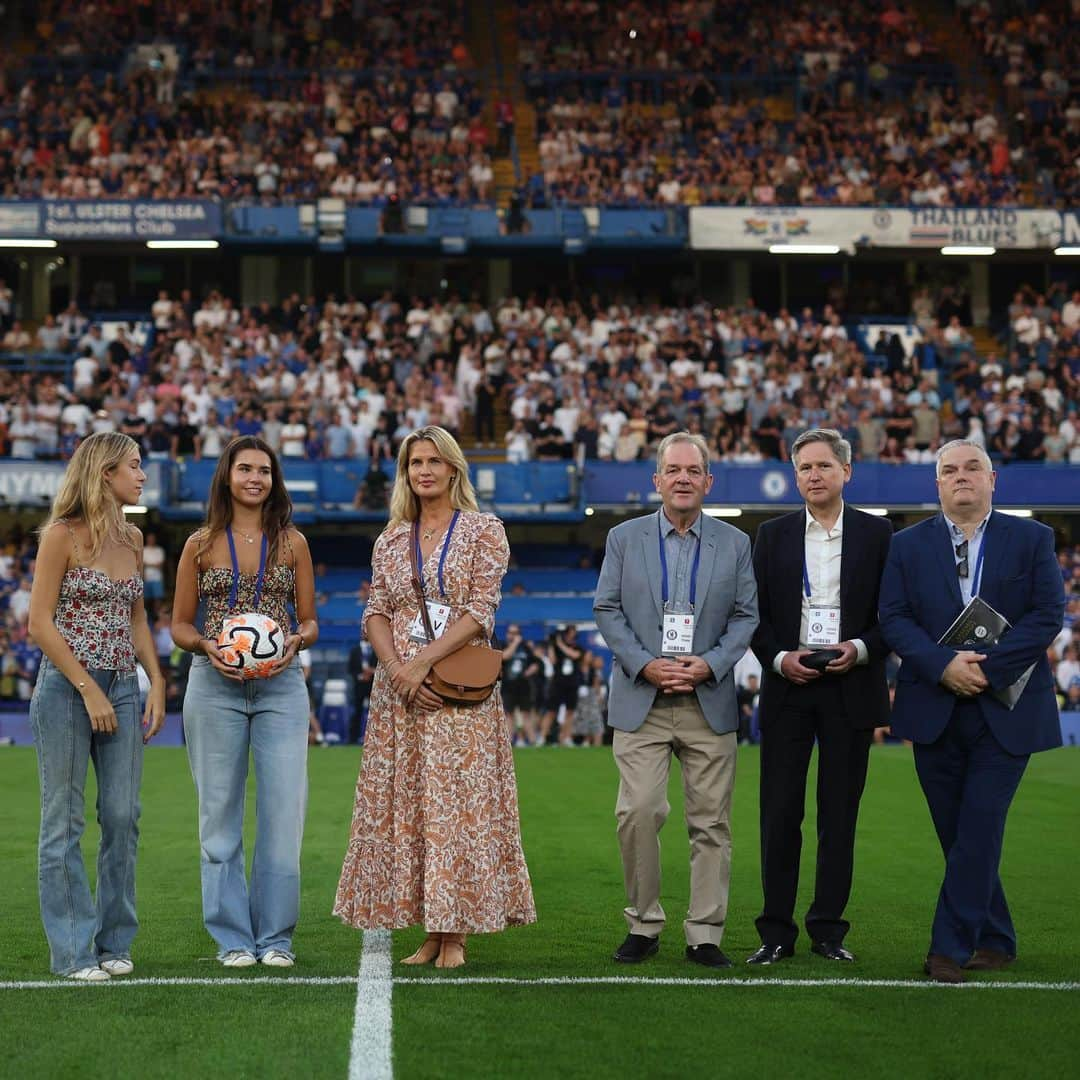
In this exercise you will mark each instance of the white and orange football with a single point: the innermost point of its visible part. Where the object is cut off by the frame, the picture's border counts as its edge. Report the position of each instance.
(251, 644)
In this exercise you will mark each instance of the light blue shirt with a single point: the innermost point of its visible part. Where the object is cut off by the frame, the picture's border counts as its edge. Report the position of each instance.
(679, 551)
(974, 548)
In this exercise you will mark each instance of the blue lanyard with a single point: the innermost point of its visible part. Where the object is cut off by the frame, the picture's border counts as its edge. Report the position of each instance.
(805, 574)
(976, 578)
(442, 557)
(236, 569)
(664, 570)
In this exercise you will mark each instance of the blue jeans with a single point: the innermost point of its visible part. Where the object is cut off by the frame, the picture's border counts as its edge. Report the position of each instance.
(80, 931)
(223, 721)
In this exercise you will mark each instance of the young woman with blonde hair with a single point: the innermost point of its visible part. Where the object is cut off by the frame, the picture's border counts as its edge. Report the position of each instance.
(87, 617)
(248, 557)
(435, 834)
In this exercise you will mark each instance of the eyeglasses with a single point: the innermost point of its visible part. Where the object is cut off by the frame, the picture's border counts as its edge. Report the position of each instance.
(962, 555)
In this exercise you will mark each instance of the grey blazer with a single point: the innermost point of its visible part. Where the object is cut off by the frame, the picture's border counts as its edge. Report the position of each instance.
(629, 614)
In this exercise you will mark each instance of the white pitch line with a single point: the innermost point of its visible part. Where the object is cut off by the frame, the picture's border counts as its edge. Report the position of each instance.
(236, 980)
(722, 983)
(370, 1056)
(495, 980)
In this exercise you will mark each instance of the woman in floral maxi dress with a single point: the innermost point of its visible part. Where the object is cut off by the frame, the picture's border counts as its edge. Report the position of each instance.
(435, 834)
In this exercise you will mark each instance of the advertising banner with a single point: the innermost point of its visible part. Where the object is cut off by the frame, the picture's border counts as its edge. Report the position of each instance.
(35, 483)
(112, 219)
(167, 219)
(750, 228)
(20, 219)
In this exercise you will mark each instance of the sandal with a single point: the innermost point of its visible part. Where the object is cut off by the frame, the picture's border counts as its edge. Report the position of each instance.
(427, 952)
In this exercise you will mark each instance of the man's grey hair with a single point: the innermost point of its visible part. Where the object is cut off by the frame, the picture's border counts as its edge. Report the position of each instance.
(669, 441)
(953, 444)
(840, 447)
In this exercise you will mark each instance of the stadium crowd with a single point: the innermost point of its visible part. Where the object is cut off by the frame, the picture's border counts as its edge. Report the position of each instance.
(785, 37)
(345, 378)
(388, 109)
(934, 149)
(395, 116)
(1033, 49)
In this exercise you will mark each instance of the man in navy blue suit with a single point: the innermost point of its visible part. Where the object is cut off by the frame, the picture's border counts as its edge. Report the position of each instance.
(970, 748)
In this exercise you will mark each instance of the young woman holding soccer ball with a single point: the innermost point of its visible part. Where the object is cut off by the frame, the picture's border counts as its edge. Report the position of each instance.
(87, 616)
(247, 559)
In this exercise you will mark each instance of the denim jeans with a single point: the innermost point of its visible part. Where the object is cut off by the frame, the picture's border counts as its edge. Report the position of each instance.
(80, 931)
(224, 720)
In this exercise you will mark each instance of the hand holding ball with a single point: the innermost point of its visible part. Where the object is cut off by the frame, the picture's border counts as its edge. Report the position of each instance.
(251, 644)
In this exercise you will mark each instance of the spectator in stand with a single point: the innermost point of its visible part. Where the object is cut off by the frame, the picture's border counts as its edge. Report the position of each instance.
(519, 445)
(16, 339)
(7, 305)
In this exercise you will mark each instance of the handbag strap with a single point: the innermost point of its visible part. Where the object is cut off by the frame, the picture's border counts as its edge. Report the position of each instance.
(414, 540)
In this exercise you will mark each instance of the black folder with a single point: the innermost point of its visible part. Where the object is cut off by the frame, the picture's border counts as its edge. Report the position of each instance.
(977, 626)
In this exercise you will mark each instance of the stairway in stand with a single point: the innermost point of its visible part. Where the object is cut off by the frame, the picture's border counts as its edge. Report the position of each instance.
(482, 50)
(952, 36)
(505, 29)
(483, 452)
(985, 342)
(493, 41)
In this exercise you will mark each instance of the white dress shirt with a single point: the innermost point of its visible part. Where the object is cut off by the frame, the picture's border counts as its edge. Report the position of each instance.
(823, 549)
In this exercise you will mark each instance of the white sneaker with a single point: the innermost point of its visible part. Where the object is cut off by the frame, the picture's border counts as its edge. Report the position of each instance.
(118, 965)
(276, 958)
(88, 974)
(238, 958)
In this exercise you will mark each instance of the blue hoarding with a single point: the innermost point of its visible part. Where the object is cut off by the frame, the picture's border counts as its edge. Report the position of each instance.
(113, 219)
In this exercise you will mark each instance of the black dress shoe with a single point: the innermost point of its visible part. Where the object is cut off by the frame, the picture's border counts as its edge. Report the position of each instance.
(708, 954)
(770, 954)
(637, 947)
(832, 950)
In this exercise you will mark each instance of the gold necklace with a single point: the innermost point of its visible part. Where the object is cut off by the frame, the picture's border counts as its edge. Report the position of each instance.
(429, 534)
(249, 539)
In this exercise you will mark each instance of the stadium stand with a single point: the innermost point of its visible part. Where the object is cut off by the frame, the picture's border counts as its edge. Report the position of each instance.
(462, 121)
(347, 379)
(622, 105)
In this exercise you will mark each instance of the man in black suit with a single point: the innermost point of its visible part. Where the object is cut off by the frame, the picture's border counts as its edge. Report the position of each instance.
(818, 572)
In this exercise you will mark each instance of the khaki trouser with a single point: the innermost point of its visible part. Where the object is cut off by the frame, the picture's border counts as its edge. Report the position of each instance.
(676, 727)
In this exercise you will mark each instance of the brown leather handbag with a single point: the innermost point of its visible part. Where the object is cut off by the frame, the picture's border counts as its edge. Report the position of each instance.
(468, 675)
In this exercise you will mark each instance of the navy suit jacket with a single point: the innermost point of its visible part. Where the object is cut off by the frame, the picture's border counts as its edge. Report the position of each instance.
(920, 598)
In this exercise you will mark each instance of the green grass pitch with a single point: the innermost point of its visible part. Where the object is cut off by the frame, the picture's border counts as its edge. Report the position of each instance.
(709, 1028)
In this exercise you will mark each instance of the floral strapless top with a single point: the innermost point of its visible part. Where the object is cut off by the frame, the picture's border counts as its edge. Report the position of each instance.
(215, 585)
(93, 615)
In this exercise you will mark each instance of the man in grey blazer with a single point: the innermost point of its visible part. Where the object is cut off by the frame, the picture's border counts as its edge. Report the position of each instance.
(677, 605)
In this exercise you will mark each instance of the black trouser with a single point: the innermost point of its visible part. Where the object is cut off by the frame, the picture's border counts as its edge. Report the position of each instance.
(484, 422)
(809, 712)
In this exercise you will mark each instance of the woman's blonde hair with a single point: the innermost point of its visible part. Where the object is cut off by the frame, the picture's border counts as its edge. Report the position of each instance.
(84, 492)
(404, 505)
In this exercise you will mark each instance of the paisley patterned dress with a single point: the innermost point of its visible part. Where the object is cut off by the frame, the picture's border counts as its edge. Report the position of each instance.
(435, 833)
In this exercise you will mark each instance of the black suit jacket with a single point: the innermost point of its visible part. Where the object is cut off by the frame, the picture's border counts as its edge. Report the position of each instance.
(778, 563)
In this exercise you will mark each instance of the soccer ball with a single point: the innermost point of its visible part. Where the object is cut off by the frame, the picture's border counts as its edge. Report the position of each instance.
(251, 644)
